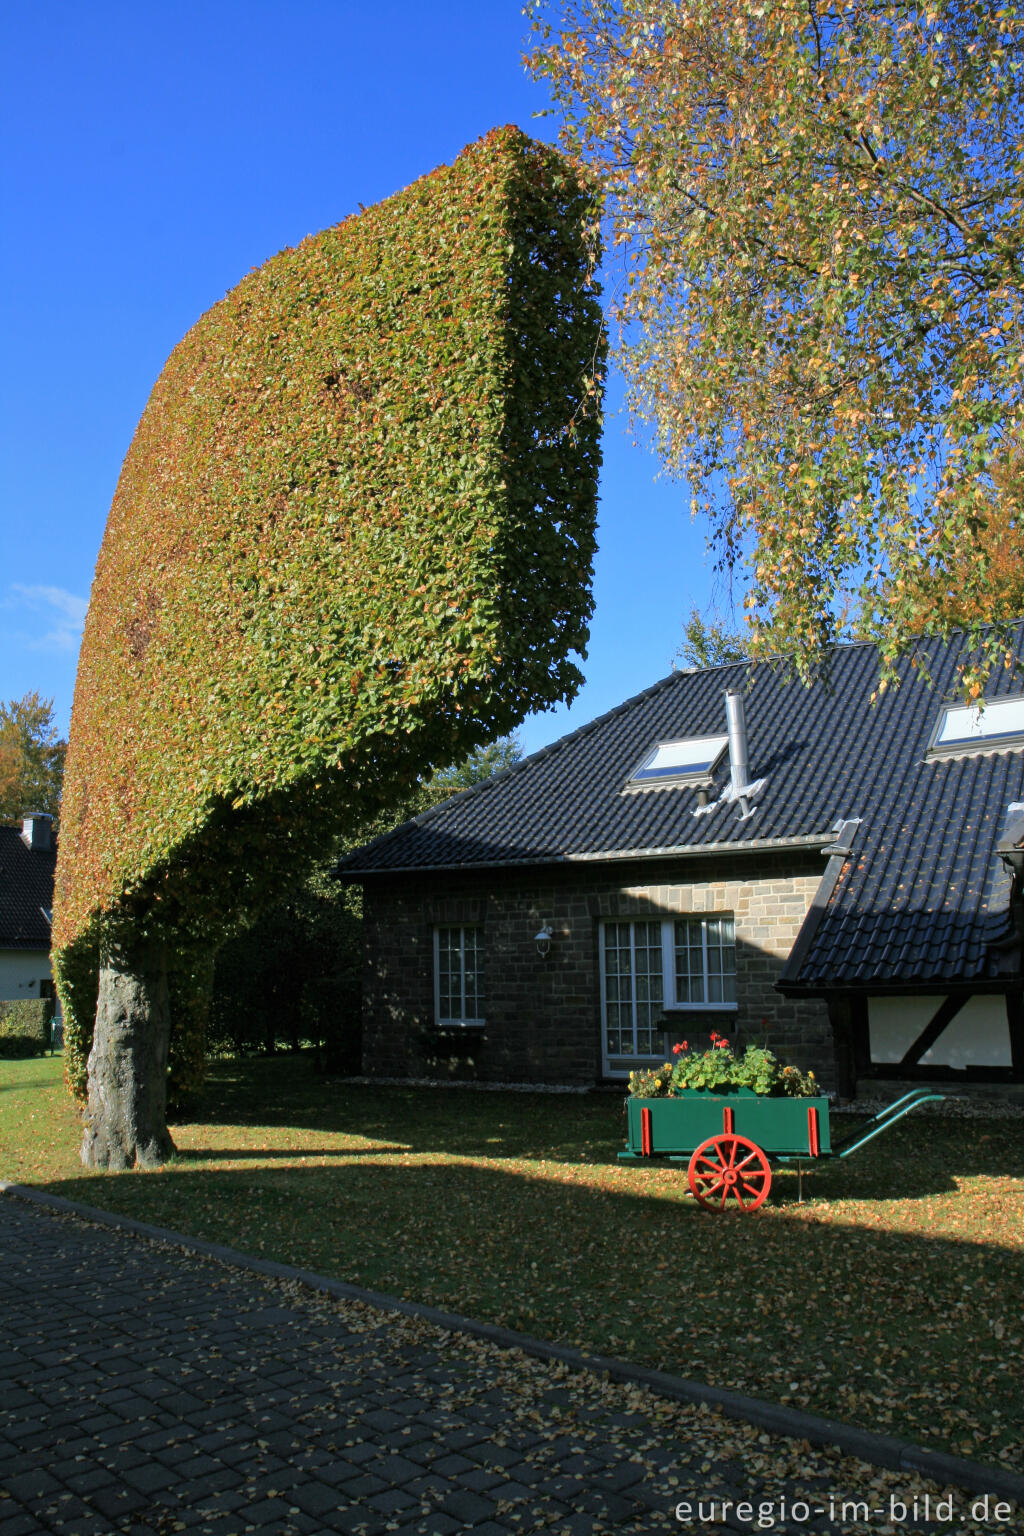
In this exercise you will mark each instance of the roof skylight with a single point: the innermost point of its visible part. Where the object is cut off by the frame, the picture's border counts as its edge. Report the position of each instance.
(966, 728)
(680, 762)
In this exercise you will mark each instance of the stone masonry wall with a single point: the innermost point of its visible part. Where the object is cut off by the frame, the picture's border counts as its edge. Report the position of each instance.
(543, 1016)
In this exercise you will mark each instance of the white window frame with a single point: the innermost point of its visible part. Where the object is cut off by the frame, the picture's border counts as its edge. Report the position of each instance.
(668, 976)
(463, 1022)
(975, 729)
(704, 753)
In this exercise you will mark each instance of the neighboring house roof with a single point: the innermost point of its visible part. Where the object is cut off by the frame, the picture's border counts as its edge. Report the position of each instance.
(26, 892)
(923, 894)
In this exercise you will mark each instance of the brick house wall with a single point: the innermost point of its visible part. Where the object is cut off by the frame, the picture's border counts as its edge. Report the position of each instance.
(543, 1015)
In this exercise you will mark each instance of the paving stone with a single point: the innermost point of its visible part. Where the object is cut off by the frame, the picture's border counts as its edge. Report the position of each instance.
(393, 1501)
(393, 1469)
(480, 1480)
(625, 1475)
(117, 1501)
(579, 1524)
(428, 1487)
(19, 1524)
(316, 1498)
(85, 1480)
(452, 1466)
(468, 1506)
(361, 1486)
(470, 1434)
(264, 1512)
(437, 1524)
(32, 1484)
(151, 1478)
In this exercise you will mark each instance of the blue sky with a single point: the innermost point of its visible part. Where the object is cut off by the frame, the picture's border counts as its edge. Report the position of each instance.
(154, 153)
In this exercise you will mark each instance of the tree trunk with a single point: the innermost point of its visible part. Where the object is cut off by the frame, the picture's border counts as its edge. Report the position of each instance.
(126, 1116)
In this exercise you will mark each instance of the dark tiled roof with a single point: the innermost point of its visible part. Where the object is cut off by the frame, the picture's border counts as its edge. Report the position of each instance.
(26, 887)
(923, 895)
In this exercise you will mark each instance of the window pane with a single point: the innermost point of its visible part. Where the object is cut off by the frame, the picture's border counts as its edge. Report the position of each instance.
(721, 960)
(472, 962)
(706, 960)
(448, 973)
(682, 759)
(690, 961)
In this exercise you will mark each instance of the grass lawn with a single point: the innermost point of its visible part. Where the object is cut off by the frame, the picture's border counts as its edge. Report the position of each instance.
(890, 1299)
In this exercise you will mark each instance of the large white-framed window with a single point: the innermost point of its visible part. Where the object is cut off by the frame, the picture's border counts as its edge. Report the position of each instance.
(685, 965)
(458, 975)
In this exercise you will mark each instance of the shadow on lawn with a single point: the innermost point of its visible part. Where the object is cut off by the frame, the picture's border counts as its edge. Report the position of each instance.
(922, 1155)
(25, 1083)
(898, 1331)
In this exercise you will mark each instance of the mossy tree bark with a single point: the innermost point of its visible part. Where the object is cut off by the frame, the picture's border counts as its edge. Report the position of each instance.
(126, 1116)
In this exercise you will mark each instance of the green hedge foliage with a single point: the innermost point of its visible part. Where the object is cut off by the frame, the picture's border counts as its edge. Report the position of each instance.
(352, 540)
(25, 1026)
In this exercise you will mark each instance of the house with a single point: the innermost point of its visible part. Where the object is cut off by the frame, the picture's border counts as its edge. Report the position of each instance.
(28, 859)
(837, 874)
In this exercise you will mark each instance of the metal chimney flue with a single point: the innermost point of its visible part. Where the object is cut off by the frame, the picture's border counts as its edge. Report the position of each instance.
(738, 764)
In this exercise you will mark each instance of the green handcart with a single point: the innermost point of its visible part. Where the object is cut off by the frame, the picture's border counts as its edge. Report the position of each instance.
(728, 1140)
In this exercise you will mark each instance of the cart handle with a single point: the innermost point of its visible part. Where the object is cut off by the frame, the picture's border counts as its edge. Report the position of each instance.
(883, 1119)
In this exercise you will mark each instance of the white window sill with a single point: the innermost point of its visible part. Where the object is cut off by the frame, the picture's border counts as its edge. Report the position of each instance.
(700, 1008)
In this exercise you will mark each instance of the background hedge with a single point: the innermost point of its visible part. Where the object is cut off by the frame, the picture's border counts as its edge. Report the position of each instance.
(352, 539)
(25, 1026)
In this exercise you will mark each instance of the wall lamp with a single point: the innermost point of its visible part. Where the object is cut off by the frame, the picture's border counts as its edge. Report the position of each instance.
(543, 940)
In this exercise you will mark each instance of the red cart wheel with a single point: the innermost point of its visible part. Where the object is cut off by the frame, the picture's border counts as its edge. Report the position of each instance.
(729, 1167)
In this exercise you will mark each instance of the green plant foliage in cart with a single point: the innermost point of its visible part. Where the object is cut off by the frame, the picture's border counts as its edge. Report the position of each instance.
(351, 542)
(720, 1069)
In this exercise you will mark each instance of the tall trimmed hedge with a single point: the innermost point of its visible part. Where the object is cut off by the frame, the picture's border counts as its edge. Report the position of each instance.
(25, 1025)
(352, 539)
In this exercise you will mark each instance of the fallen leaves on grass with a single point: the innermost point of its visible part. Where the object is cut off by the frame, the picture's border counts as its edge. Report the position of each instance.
(889, 1300)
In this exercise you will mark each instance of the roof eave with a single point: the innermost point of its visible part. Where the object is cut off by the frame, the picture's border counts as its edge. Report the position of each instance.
(815, 841)
(881, 986)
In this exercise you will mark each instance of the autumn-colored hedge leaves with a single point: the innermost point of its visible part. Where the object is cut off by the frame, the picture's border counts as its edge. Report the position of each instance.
(351, 540)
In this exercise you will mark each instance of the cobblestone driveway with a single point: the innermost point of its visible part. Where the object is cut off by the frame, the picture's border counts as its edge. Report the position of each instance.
(150, 1391)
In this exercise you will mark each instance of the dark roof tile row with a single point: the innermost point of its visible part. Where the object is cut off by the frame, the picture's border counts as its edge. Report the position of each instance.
(26, 892)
